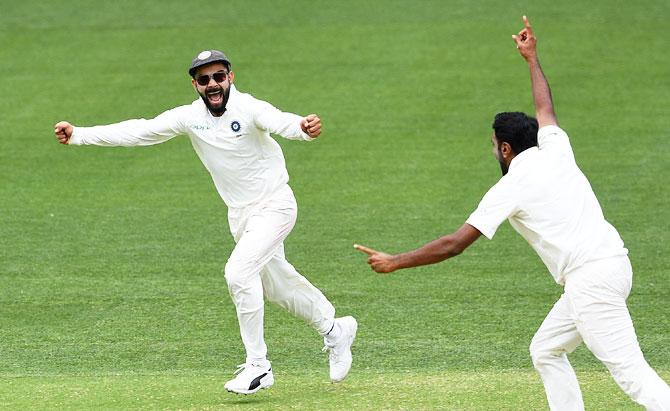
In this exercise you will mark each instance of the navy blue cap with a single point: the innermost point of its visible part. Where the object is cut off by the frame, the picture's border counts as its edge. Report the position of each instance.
(207, 57)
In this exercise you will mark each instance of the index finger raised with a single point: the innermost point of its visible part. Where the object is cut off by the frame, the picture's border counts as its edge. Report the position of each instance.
(526, 24)
(366, 250)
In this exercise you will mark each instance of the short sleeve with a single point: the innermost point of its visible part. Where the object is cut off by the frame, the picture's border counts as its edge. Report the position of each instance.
(498, 204)
(553, 138)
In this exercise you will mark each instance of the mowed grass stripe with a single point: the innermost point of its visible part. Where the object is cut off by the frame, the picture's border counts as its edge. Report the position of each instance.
(461, 390)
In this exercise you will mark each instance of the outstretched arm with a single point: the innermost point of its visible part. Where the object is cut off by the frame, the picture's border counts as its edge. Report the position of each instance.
(138, 132)
(435, 251)
(526, 42)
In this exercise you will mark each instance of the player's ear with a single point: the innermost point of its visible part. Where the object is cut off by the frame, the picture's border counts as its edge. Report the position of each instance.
(194, 86)
(506, 149)
(231, 77)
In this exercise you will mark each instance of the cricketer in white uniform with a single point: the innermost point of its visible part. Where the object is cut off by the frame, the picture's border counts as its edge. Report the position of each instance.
(549, 201)
(230, 132)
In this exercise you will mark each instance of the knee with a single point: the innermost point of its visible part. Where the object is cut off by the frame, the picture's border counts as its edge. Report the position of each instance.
(543, 356)
(236, 274)
(275, 296)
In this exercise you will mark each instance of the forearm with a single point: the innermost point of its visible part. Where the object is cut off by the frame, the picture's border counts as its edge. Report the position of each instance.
(435, 251)
(431, 253)
(544, 106)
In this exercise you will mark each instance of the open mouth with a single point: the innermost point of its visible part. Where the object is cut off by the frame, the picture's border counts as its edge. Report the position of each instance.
(215, 96)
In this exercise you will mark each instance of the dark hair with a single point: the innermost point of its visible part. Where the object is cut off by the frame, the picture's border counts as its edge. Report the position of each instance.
(516, 129)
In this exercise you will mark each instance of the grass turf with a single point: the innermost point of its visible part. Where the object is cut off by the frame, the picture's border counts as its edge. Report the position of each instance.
(454, 390)
(111, 260)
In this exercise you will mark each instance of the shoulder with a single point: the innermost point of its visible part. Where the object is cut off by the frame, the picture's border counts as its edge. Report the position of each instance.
(196, 105)
(551, 133)
(181, 117)
(499, 203)
(184, 111)
(551, 130)
(188, 112)
(552, 139)
(238, 97)
(504, 188)
(246, 98)
(177, 114)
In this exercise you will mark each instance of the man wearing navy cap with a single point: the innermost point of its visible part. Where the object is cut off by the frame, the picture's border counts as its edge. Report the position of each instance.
(230, 132)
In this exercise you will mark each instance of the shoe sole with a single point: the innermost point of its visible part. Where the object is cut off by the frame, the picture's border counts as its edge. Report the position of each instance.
(351, 343)
(265, 383)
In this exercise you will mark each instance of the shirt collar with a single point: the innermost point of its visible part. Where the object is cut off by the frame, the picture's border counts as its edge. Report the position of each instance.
(232, 96)
(522, 156)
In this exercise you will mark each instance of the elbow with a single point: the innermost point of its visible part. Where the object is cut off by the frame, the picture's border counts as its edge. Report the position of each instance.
(453, 248)
(458, 243)
(453, 252)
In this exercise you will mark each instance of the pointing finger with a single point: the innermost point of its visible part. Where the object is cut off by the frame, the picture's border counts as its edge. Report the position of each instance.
(526, 23)
(366, 250)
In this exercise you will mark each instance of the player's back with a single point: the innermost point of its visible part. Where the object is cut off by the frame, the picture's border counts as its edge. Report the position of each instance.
(558, 212)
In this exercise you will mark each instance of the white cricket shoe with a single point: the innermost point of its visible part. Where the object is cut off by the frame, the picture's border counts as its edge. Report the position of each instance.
(251, 378)
(340, 349)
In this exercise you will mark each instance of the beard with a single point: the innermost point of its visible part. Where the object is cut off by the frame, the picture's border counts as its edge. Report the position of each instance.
(217, 108)
(503, 167)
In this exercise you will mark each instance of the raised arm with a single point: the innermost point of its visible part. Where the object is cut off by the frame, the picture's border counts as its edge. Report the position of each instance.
(526, 42)
(433, 252)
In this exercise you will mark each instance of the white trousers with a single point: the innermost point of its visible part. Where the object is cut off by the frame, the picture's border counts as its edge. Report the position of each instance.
(257, 267)
(593, 309)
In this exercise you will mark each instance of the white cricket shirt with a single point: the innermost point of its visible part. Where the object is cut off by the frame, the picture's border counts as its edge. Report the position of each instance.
(549, 201)
(246, 164)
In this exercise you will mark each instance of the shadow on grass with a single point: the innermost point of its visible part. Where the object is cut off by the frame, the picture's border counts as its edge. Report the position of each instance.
(248, 399)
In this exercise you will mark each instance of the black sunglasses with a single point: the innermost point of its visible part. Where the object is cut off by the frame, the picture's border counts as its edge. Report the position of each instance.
(219, 77)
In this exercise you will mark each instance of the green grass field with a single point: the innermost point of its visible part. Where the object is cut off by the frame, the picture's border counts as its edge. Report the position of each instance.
(112, 293)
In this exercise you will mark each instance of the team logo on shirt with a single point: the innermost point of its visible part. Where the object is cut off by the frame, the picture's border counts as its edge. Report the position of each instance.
(235, 126)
